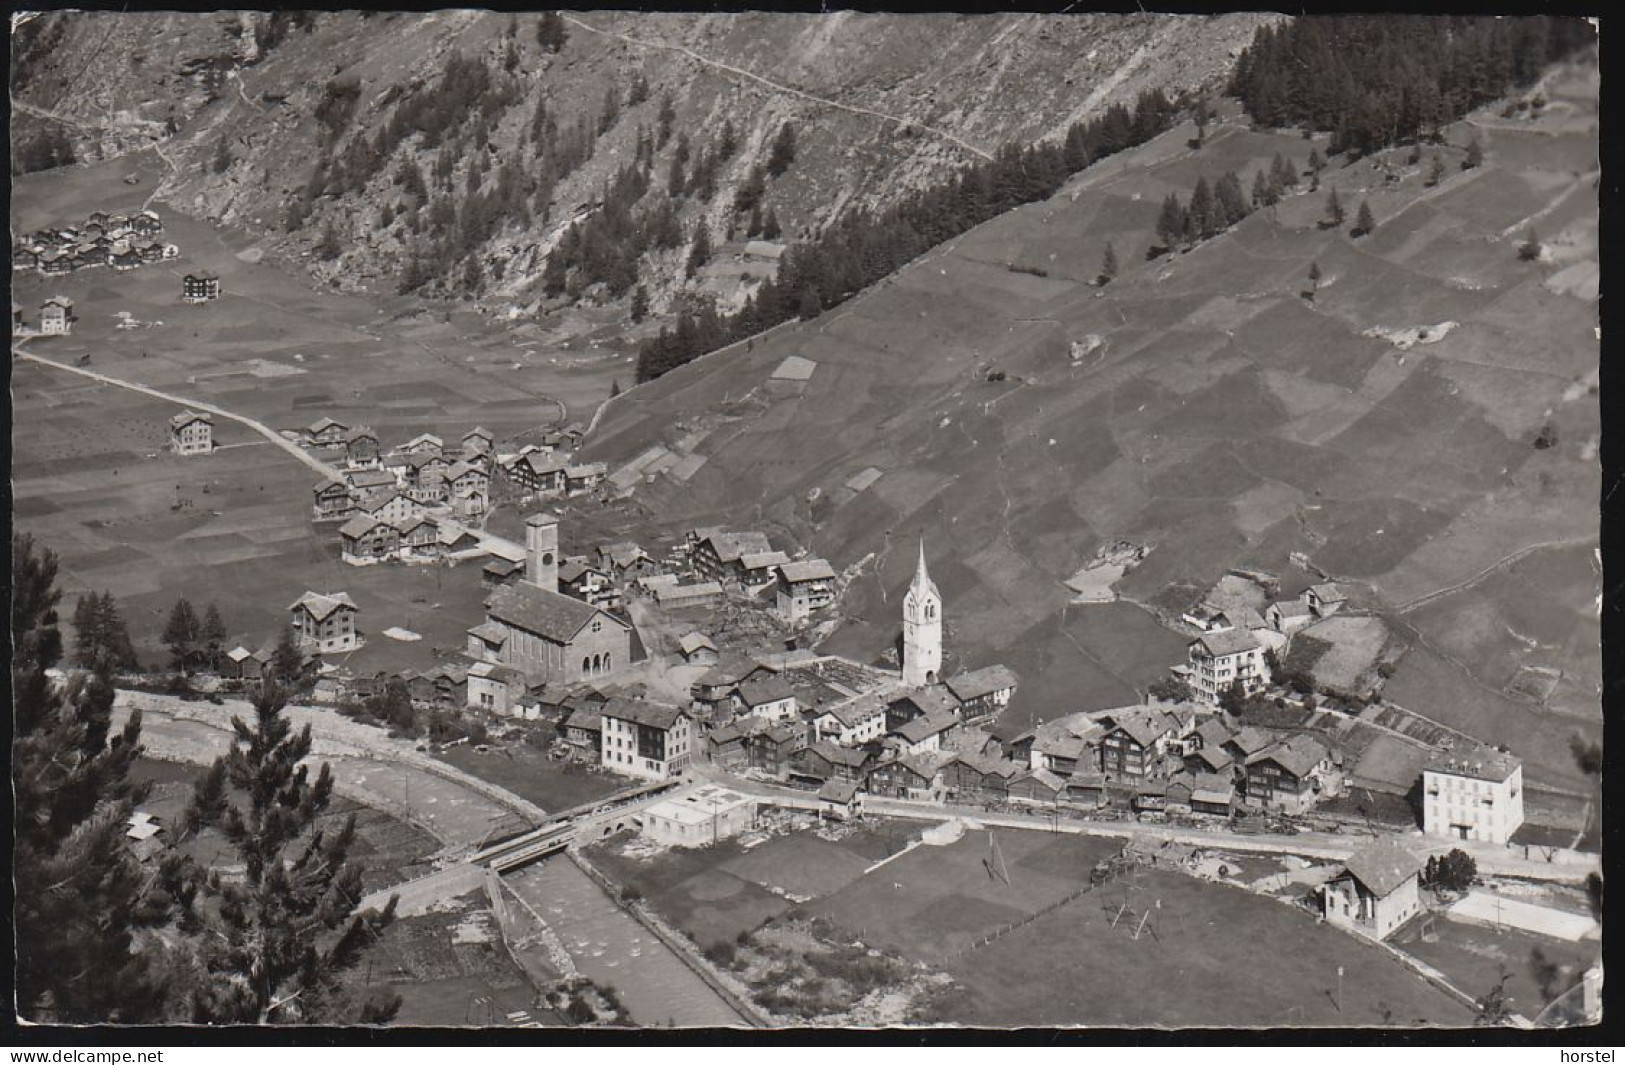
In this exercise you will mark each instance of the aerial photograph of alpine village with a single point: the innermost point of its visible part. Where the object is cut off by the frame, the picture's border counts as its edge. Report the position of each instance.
(625, 520)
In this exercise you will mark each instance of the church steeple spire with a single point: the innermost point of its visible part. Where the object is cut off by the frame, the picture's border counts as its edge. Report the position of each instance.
(922, 628)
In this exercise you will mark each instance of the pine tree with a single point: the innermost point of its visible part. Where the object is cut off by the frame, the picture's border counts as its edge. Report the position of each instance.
(699, 252)
(181, 634)
(783, 152)
(1230, 201)
(1316, 163)
(728, 140)
(1171, 222)
(473, 276)
(770, 226)
(1108, 265)
(1475, 154)
(328, 248)
(1262, 196)
(640, 304)
(81, 901)
(1334, 210)
(222, 157)
(615, 388)
(748, 197)
(279, 939)
(1364, 220)
(1528, 251)
(1200, 218)
(664, 119)
(753, 227)
(1314, 281)
(550, 32)
(1435, 171)
(212, 636)
(639, 91)
(287, 664)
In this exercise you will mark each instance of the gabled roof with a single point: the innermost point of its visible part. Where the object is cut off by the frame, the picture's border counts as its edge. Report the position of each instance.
(1292, 608)
(1251, 740)
(371, 478)
(1329, 592)
(541, 463)
(575, 569)
(1144, 726)
(1215, 758)
(855, 711)
(671, 593)
(763, 559)
(460, 469)
(490, 632)
(984, 681)
(187, 417)
(1298, 755)
(1384, 866)
(841, 791)
(552, 615)
(622, 554)
(643, 712)
(928, 700)
(920, 729)
(360, 432)
(1233, 641)
(320, 606)
(730, 670)
(808, 569)
(693, 641)
(407, 524)
(324, 423)
(584, 470)
(1212, 733)
(852, 757)
(480, 431)
(587, 718)
(730, 546)
(242, 654)
(358, 526)
(987, 765)
(763, 689)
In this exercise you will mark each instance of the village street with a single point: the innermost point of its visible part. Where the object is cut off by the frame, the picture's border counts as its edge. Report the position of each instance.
(1492, 859)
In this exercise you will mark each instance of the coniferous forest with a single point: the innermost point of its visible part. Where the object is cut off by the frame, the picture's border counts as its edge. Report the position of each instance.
(1376, 80)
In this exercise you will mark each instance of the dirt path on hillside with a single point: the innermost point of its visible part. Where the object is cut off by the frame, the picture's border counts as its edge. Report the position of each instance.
(785, 89)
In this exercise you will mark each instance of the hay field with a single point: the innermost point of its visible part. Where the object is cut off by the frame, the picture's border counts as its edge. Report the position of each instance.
(1220, 418)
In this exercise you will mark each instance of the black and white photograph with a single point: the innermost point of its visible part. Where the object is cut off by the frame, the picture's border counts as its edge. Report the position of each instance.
(750, 522)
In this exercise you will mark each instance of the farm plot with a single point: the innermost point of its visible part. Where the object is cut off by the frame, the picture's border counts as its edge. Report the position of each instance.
(1476, 958)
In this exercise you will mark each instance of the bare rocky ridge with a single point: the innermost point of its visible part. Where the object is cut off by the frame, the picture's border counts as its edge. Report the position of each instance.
(881, 105)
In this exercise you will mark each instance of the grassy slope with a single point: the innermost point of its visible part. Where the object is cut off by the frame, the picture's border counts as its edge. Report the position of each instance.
(1228, 421)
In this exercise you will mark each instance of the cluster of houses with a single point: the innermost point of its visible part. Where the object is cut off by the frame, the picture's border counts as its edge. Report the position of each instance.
(1231, 641)
(123, 242)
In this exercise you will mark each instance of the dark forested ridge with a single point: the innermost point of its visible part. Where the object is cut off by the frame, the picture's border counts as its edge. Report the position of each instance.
(1376, 80)
(860, 247)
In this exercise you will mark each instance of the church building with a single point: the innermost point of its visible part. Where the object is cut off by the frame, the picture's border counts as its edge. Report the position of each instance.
(922, 629)
(533, 627)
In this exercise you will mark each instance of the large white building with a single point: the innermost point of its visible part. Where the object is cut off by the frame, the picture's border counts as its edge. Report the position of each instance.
(645, 739)
(695, 818)
(1475, 795)
(191, 433)
(922, 629)
(1219, 659)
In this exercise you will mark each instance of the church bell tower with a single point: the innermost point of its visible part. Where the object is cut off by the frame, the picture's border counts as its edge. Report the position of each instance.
(922, 629)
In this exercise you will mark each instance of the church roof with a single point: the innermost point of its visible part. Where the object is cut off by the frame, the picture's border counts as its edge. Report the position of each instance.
(549, 614)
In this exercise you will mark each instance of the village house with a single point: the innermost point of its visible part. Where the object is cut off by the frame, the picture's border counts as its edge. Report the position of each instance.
(1377, 892)
(1325, 599)
(1134, 742)
(200, 288)
(922, 735)
(625, 561)
(191, 433)
(500, 572)
(697, 649)
(326, 623)
(1220, 659)
(56, 316)
(584, 477)
(365, 538)
(538, 473)
(716, 556)
(588, 583)
(534, 627)
(699, 817)
(54, 263)
(240, 663)
(389, 506)
(716, 691)
(1289, 775)
(419, 536)
(905, 777)
(150, 251)
(422, 444)
(680, 596)
(425, 475)
(584, 731)
(332, 500)
(1087, 787)
(853, 721)
(124, 257)
(919, 702)
(325, 432)
(469, 488)
(840, 800)
(823, 761)
(1206, 752)
(1288, 616)
(983, 692)
(477, 441)
(1475, 794)
(1038, 786)
(803, 587)
(646, 739)
(146, 223)
(1206, 618)
(769, 696)
(24, 257)
(361, 447)
(978, 778)
(760, 569)
(494, 689)
(1060, 746)
(1247, 743)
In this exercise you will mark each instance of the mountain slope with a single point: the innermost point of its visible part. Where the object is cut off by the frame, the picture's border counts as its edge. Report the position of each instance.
(880, 103)
(1215, 416)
